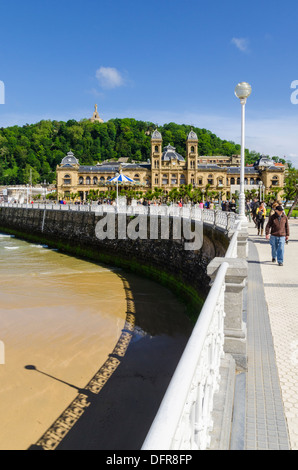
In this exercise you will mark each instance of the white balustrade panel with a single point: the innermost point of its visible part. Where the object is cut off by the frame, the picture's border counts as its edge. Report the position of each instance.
(184, 419)
(224, 220)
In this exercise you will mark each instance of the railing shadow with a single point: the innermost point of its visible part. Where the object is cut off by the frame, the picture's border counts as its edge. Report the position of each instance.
(116, 408)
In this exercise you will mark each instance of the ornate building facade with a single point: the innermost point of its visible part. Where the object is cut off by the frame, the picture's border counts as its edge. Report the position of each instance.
(167, 169)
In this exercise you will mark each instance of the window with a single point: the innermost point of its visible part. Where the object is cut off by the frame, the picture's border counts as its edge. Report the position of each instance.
(88, 180)
(95, 180)
(274, 181)
(232, 180)
(192, 149)
(200, 181)
(174, 179)
(210, 179)
(81, 180)
(67, 179)
(102, 179)
(137, 177)
(156, 163)
(164, 179)
(252, 181)
(182, 179)
(156, 149)
(156, 180)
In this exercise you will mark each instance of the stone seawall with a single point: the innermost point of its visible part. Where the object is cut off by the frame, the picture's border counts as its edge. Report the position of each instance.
(164, 260)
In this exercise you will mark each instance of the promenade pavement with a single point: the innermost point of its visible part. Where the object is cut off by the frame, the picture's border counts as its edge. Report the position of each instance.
(272, 339)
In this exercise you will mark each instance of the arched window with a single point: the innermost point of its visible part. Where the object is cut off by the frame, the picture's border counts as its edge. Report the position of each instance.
(156, 148)
(102, 179)
(238, 180)
(95, 180)
(67, 179)
(274, 181)
(81, 180)
(232, 180)
(192, 149)
(210, 179)
(252, 181)
(88, 180)
(174, 179)
(137, 177)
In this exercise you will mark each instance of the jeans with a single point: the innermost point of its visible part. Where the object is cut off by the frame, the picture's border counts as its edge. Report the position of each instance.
(277, 247)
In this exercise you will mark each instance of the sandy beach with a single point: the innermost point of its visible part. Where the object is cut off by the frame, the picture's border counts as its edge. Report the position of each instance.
(60, 320)
(65, 324)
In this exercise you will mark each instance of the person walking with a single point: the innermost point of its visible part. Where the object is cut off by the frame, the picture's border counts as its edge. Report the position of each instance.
(232, 205)
(254, 206)
(247, 210)
(278, 231)
(260, 218)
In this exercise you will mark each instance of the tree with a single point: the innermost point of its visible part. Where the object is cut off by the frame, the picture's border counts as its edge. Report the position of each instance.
(291, 189)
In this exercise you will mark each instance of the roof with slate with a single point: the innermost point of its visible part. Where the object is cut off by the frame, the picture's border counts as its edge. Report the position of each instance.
(170, 153)
(156, 135)
(192, 136)
(69, 160)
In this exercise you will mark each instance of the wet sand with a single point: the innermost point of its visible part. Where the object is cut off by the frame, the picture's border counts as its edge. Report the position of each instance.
(64, 316)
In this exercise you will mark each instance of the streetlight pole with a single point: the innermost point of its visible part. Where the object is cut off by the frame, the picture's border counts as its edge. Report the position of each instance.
(242, 91)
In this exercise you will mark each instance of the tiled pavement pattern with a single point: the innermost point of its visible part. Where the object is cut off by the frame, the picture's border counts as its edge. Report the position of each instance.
(272, 339)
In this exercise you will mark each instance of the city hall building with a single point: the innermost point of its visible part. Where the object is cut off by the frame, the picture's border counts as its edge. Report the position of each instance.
(167, 170)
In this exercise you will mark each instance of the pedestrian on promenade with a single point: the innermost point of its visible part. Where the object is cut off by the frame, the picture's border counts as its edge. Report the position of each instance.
(247, 210)
(260, 218)
(273, 207)
(254, 206)
(278, 227)
(232, 205)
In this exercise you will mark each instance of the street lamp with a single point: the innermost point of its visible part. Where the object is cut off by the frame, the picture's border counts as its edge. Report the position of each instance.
(242, 91)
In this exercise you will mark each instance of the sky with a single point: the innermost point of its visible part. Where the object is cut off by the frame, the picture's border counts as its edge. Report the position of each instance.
(159, 61)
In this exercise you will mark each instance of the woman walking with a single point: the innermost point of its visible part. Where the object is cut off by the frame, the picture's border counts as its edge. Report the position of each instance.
(260, 218)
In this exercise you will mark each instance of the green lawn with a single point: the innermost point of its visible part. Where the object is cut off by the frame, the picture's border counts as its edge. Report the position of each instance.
(294, 213)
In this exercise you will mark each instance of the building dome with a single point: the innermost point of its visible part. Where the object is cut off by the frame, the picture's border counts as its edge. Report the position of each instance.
(264, 161)
(170, 153)
(69, 160)
(156, 135)
(192, 136)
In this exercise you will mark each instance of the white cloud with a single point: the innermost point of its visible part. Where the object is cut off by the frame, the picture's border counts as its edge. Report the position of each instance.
(241, 43)
(109, 77)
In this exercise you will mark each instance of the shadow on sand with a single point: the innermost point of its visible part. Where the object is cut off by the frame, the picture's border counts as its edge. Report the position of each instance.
(114, 411)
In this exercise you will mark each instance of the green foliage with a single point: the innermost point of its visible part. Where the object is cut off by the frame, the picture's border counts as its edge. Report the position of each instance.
(40, 147)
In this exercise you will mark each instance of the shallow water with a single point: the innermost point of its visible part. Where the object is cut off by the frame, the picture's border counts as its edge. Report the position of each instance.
(64, 316)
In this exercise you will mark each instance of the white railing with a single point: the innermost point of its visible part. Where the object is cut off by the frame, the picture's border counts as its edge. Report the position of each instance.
(184, 419)
(218, 218)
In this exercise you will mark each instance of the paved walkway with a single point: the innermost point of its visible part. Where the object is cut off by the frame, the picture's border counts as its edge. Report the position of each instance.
(272, 337)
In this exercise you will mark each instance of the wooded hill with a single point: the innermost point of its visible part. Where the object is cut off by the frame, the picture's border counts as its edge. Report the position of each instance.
(34, 150)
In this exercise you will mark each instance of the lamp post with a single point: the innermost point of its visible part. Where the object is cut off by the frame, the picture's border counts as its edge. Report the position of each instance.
(242, 91)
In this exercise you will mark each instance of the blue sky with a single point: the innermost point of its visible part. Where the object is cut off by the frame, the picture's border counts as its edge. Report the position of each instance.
(158, 61)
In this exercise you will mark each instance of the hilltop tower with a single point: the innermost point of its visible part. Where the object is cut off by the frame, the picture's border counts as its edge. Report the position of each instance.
(95, 117)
